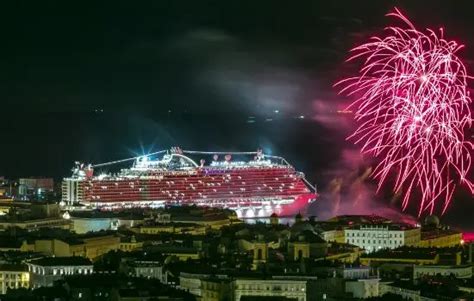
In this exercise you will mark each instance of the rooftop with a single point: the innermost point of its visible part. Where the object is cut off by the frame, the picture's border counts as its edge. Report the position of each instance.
(13, 267)
(61, 261)
(430, 234)
(389, 226)
(408, 253)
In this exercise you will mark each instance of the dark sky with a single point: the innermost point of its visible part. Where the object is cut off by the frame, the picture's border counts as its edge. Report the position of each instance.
(60, 56)
(102, 80)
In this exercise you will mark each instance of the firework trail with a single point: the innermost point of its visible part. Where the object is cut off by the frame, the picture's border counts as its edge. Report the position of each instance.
(412, 108)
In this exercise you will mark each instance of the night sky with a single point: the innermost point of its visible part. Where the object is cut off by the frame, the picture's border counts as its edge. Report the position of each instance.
(102, 80)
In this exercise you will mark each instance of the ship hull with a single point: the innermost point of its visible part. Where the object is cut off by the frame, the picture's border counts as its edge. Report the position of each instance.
(245, 208)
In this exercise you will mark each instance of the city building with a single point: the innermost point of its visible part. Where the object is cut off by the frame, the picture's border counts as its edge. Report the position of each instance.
(179, 251)
(13, 276)
(342, 252)
(293, 289)
(373, 237)
(222, 287)
(44, 271)
(363, 288)
(178, 228)
(35, 188)
(458, 271)
(91, 245)
(13, 244)
(413, 255)
(425, 291)
(147, 268)
(332, 234)
(130, 243)
(306, 244)
(35, 224)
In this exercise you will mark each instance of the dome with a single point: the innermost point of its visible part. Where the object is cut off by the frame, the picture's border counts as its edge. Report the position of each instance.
(432, 220)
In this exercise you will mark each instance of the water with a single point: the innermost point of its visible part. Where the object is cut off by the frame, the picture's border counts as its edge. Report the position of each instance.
(55, 141)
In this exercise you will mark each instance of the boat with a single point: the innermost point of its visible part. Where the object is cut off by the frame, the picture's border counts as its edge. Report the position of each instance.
(252, 184)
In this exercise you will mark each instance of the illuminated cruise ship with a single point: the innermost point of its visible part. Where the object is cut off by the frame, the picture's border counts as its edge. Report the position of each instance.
(256, 187)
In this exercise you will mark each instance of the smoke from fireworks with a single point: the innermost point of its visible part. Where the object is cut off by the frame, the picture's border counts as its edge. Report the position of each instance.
(412, 108)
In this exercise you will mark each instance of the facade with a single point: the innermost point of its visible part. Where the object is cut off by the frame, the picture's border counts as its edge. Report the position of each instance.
(257, 187)
(373, 237)
(13, 276)
(288, 288)
(407, 293)
(358, 272)
(51, 222)
(333, 235)
(129, 244)
(149, 269)
(44, 271)
(90, 247)
(387, 257)
(439, 238)
(343, 253)
(458, 271)
(363, 288)
(307, 244)
(176, 228)
(15, 245)
(35, 187)
(215, 289)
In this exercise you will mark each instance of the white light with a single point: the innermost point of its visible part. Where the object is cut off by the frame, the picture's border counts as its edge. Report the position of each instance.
(276, 111)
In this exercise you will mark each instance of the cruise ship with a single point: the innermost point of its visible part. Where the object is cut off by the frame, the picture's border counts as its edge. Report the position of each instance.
(252, 184)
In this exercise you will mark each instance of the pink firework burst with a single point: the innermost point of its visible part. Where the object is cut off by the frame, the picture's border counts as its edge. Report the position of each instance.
(413, 108)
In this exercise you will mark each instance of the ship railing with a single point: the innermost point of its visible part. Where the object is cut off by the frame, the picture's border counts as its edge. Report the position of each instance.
(218, 153)
(128, 159)
(313, 187)
(281, 159)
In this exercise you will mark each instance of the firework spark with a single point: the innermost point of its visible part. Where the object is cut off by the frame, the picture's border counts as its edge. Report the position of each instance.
(412, 107)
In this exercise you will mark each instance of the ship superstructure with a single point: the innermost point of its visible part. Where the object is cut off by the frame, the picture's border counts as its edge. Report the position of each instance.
(253, 188)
